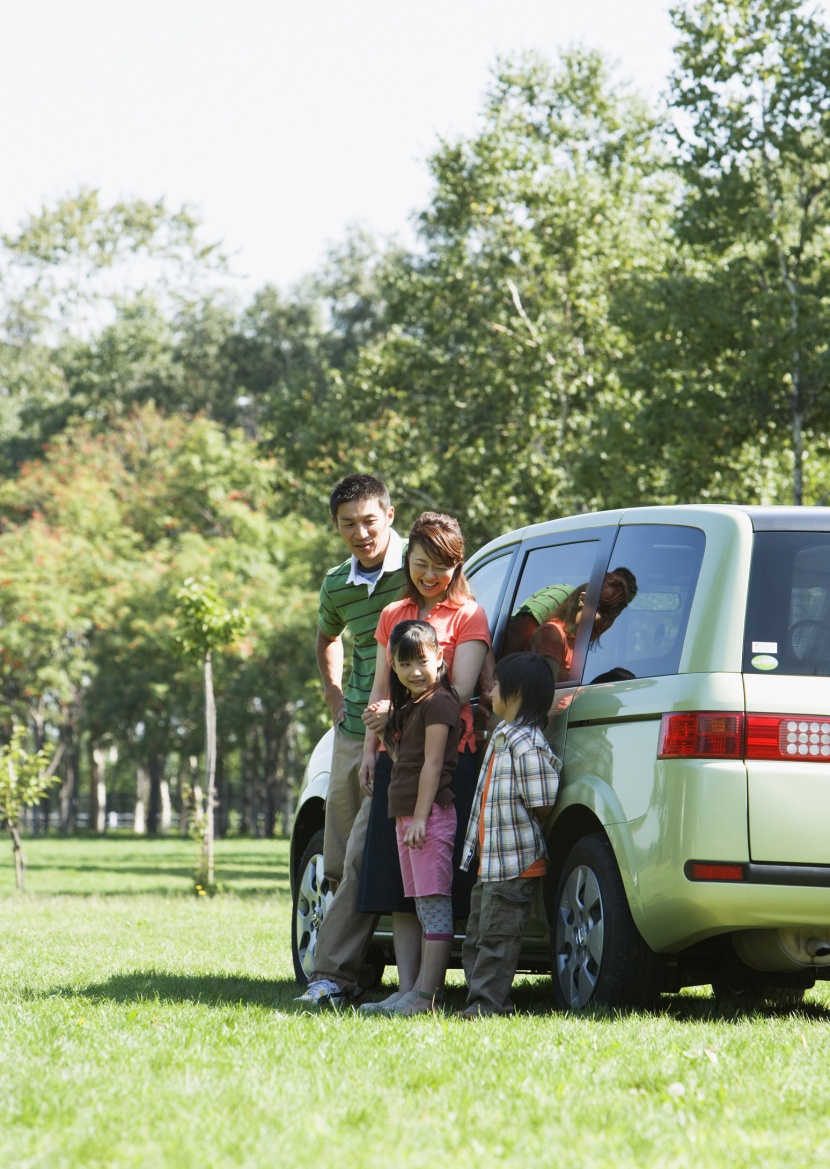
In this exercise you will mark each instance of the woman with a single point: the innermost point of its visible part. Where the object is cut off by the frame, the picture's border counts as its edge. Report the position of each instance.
(436, 591)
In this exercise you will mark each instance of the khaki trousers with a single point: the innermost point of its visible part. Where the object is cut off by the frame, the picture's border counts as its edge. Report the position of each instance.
(344, 933)
(343, 800)
(490, 955)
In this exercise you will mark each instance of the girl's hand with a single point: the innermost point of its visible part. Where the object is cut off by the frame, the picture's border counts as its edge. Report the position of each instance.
(376, 715)
(416, 834)
(366, 775)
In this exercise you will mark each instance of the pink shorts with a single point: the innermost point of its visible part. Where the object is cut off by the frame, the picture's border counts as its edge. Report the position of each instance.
(427, 871)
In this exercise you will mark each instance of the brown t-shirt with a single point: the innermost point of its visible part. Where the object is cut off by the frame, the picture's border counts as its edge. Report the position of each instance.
(437, 706)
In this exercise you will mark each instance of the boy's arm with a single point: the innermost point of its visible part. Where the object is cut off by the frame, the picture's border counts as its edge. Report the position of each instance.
(538, 781)
(435, 742)
(330, 664)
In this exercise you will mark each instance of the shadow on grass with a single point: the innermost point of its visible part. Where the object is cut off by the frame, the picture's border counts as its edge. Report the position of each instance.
(257, 881)
(157, 986)
(277, 872)
(535, 997)
(697, 1009)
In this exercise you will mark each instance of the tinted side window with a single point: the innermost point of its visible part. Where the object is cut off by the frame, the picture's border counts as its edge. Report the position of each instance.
(549, 576)
(646, 639)
(788, 614)
(487, 581)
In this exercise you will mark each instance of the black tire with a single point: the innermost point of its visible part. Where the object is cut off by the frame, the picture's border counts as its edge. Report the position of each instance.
(312, 897)
(598, 956)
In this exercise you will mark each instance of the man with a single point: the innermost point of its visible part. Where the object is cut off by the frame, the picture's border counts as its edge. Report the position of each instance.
(352, 596)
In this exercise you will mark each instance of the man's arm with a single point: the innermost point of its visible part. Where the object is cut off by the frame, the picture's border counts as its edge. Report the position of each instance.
(330, 663)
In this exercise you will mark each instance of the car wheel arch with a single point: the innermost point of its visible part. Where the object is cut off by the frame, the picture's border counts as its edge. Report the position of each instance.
(578, 820)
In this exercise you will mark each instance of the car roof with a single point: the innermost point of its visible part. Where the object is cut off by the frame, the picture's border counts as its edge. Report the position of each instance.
(762, 519)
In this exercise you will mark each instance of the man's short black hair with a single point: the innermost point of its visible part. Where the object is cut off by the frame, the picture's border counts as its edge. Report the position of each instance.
(527, 676)
(356, 488)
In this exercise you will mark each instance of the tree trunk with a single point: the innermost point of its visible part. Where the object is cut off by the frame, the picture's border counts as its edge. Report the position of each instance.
(221, 797)
(155, 812)
(210, 773)
(798, 446)
(98, 791)
(69, 788)
(142, 796)
(248, 755)
(191, 801)
(291, 755)
(40, 812)
(19, 856)
(165, 815)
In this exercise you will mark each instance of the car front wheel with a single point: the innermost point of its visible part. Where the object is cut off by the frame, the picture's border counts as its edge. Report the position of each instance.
(598, 955)
(312, 898)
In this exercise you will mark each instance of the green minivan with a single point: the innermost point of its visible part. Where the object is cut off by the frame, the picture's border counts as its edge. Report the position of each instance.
(689, 843)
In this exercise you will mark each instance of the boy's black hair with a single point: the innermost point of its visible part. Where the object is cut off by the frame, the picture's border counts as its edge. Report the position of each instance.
(407, 640)
(527, 676)
(356, 488)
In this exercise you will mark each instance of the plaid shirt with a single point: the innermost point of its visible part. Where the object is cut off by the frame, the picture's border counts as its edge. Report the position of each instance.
(525, 776)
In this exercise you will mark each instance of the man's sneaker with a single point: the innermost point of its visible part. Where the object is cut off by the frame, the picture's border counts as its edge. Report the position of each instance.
(323, 995)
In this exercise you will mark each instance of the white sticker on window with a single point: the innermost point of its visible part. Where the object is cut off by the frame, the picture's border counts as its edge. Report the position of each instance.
(765, 647)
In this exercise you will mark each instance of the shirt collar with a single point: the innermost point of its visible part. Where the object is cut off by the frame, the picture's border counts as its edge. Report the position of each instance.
(392, 561)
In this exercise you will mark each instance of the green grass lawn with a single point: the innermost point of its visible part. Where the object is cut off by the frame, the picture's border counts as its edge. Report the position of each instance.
(141, 1025)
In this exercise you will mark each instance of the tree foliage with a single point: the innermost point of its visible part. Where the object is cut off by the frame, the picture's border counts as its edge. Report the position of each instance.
(736, 331)
(608, 304)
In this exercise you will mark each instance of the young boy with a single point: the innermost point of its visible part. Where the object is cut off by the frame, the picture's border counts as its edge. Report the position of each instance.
(516, 790)
(352, 596)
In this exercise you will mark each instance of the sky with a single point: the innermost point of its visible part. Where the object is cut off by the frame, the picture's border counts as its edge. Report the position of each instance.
(281, 121)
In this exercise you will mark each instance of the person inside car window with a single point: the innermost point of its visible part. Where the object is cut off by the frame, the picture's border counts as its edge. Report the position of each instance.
(554, 639)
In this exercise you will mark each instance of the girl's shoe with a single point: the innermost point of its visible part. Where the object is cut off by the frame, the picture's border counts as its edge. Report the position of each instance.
(407, 1005)
(383, 1007)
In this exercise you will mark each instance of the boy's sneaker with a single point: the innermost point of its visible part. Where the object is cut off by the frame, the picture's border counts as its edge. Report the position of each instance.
(323, 995)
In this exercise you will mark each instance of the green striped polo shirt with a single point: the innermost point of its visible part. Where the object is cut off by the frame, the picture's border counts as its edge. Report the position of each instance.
(346, 604)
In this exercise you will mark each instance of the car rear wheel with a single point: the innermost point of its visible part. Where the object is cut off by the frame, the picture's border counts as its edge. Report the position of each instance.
(312, 898)
(598, 955)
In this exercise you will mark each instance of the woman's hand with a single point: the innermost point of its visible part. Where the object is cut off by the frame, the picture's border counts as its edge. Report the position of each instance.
(416, 834)
(376, 716)
(366, 775)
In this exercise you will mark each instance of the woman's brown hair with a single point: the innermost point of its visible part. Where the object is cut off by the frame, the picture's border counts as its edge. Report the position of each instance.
(440, 537)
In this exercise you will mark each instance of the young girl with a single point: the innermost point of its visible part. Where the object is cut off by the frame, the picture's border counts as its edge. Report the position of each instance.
(436, 591)
(422, 737)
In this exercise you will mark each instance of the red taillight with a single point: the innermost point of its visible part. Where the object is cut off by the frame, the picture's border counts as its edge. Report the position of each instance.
(715, 735)
(788, 736)
(694, 735)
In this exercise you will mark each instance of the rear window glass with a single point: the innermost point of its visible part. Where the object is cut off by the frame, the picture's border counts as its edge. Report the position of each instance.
(646, 639)
(788, 614)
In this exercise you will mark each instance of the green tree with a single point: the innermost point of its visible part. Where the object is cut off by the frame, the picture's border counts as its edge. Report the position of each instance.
(206, 624)
(95, 540)
(89, 294)
(24, 777)
(749, 311)
(488, 390)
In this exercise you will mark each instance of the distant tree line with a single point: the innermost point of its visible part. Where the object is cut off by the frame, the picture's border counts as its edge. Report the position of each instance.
(610, 304)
